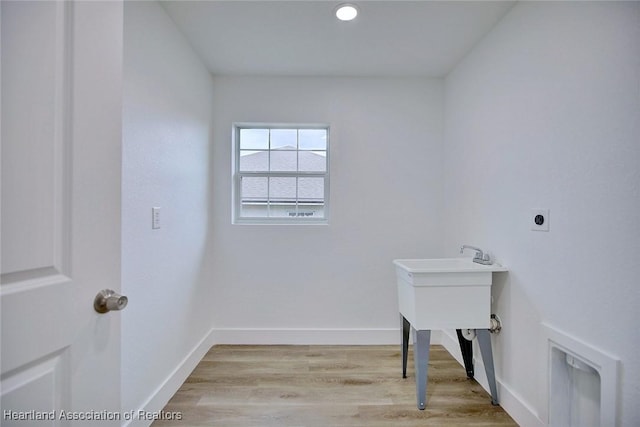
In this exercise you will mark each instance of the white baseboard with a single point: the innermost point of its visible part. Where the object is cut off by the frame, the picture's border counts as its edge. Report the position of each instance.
(513, 404)
(510, 401)
(296, 336)
(160, 396)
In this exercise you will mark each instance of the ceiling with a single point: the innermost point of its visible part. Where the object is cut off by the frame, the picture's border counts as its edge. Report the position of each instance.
(303, 37)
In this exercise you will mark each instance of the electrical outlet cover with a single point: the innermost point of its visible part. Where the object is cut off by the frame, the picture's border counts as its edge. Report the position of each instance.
(539, 219)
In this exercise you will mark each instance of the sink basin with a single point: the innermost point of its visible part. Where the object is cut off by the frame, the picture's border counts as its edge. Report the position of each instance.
(445, 293)
(444, 265)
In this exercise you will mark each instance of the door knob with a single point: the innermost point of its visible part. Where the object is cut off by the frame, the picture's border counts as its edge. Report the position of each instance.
(108, 300)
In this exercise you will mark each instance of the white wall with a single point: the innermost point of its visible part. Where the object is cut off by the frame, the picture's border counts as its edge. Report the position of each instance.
(167, 119)
(334, 282)
(545, 113)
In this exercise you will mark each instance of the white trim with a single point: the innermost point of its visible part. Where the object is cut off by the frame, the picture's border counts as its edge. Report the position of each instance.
(318, 336)
(237, 175)
(158, 399)
(513, 404)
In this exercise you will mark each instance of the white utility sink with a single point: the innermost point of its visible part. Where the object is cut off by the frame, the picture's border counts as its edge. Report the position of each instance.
(445, 293)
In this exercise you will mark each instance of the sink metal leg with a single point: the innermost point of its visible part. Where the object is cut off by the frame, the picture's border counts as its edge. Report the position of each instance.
(421, 344)
(484, 339)
(406, 327)
(466, 348)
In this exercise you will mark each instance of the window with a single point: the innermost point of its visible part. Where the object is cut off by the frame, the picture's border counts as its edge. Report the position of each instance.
(281, 173)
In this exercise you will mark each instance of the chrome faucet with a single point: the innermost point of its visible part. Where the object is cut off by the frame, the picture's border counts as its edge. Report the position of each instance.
(479, 257)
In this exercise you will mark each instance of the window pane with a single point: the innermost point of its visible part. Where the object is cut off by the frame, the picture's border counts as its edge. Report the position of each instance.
(283, 161)
(254, 161)
(254, 196)
(311, 190)
(282, 197)
(281, 173)
(254, 139)
(282, 190)
(310, 198)
(312, 161)
(286, 139)
(312, 139)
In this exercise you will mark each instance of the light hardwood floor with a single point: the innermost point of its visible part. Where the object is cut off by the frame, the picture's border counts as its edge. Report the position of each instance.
(327, 386)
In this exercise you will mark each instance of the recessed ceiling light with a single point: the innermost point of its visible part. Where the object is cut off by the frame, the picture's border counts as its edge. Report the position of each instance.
(346, 12)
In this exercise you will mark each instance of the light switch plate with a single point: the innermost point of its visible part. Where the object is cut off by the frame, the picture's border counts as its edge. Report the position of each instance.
(155, 218)
(539, 219)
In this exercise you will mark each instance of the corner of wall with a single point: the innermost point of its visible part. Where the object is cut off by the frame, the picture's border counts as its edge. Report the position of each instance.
(143, 416)
(514, 404)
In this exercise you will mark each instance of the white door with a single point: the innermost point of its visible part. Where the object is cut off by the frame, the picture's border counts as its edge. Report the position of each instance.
(60, 123)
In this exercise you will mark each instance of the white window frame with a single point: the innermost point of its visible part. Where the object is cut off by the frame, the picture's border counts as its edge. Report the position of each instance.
(238, 175)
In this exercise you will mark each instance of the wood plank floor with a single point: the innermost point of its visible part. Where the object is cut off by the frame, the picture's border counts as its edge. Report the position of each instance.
(327, 386)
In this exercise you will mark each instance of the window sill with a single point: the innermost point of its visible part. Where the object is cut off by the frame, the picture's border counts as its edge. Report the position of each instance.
(284, 221)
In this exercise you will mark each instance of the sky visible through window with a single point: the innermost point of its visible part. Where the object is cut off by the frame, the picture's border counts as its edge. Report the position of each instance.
(302, 139)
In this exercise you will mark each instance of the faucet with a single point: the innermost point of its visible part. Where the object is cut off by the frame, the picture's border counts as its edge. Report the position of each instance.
(480, 257)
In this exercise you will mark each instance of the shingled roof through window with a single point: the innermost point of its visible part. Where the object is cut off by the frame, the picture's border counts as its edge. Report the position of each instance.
(283, 189)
